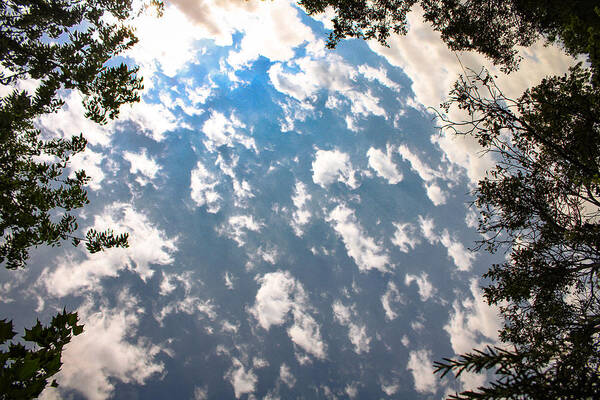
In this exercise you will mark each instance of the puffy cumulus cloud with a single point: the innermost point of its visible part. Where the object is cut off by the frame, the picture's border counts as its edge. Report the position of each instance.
(104, 353)
(357, 333)
(420, 365)
(473, 324)
(426, 289)
(389, 298)
(424, 171)
(383, 165)
(243, 381)
(301, 215)
(309, 75)
(280, 294)
(361, 248)
(142, 164)
(222, 131)
(202, 185)
(433, 68)
(379, 75)
(405, 236)
(237, 226)
(281, 24)
(461, 256)
(333, 166)
(435, 194)
(148, 245)
(286, 376)
(427, 174)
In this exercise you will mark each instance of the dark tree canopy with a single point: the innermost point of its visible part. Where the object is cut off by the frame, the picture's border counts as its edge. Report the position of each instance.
(493, 28)
(26, 369)
(63, 44)
(541, 204)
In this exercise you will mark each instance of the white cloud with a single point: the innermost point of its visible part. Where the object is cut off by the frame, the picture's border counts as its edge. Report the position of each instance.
(357, 334)
(140, 162)
(286, 376)
(279, 294)
(391, 295)
(390, 389)
(277, 21)
(428, 174)
(361, 248)
(302, 214)
(202, 185)
(200, 393)
(424, 171)
(243, 381)
(190, 305)
(332, 166)
(420, 365)
(379, 75)
(222, 131)
(351, 390)
(241, 189)
(238, 225)
(473, 324)
(426, 289)
(435, 194)
(427, 228)
(328, 72)
(154, 119)
(104, 353)
(384, 166)
(462, 257)
(147, 246)
(70, 121)
(405, 236)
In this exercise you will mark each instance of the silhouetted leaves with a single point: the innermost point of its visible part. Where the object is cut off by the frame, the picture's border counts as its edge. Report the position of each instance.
(26, 369)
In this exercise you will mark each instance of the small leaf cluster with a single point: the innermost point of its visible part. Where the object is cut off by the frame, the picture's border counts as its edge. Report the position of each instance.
(26, 370)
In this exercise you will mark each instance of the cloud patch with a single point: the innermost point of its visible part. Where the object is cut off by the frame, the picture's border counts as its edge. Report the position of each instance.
(383, 165)
(148, 246)
(104, 352)
(420, 366)
(333, 166)
(357, 333)
(361, 248)
(278, 296)
(202, 185)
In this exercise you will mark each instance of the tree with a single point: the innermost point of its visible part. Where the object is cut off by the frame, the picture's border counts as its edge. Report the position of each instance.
(63, 45)
(493, 28)
(26, 369)
(541, 204)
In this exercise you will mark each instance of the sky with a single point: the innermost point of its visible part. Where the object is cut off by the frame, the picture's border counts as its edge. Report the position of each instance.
(299, 227)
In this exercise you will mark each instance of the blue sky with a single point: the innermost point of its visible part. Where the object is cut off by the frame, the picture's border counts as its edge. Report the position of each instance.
(298, 226)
